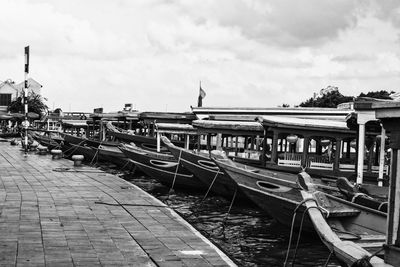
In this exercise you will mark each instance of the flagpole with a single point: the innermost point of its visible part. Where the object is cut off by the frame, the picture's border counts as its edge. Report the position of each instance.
(26, 123)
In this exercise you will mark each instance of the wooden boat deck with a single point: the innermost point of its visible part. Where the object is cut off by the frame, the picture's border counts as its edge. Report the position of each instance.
(55, 215)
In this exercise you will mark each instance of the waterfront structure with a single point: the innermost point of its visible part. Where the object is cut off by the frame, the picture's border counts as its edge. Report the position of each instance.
(10, 91)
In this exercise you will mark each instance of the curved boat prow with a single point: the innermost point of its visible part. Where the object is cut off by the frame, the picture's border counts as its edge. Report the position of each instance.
(166, 141)
(332, 221)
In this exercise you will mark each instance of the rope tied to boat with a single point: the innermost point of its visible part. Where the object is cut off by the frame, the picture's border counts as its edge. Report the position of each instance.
(211, 185)
(229, 210)
(321, 209)
(171, 190)
(74, 148)
(96, 153)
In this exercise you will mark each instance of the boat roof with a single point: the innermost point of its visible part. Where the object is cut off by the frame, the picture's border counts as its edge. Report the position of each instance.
(304, 123)
(120, 115)
(167, 117)
(175, 128)
(75, 123)
(229, 127)
(272, 111)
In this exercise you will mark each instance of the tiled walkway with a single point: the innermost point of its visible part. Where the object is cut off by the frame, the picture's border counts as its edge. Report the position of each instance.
(54, 215)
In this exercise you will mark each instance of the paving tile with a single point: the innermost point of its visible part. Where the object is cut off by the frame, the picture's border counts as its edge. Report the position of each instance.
(55, 219)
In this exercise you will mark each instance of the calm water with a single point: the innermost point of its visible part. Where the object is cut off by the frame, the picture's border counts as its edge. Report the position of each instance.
(247, 235)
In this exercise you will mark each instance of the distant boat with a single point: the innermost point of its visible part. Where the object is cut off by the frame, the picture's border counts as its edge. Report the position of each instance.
(162, 167)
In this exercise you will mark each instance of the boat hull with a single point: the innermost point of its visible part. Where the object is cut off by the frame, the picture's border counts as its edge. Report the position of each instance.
(207, 172)
(114, 155)
(163, 168)
(275, 193)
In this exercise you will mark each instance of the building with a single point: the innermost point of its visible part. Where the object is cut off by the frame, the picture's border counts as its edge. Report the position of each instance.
(9, 91)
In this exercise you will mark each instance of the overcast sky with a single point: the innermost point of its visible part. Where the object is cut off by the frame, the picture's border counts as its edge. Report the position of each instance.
(153, 53)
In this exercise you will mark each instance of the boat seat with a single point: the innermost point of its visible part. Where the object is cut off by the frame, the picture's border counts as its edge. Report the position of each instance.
(342, 212)
(335, 209)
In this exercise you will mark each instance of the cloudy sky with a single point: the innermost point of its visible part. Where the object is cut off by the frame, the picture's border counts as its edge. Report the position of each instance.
(153, 53)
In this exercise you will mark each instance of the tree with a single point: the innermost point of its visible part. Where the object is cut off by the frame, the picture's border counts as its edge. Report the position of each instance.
(382, 94)
(328, 100)
(35, 104)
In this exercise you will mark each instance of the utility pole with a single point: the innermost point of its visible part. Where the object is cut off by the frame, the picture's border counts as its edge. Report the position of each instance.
(26, 122)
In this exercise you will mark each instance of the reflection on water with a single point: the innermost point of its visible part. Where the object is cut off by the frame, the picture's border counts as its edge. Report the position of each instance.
(247, 235)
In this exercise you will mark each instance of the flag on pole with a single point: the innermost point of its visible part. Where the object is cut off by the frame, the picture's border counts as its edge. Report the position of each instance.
(202, 94)
(26, 59)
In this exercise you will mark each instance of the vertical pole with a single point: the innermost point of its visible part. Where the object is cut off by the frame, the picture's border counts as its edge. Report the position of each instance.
(274, 152)
(306, 143)
(338, 153)
(360, 156)
(158, 142)
(219, 141)
(187, 139)
(26, 96)
(381, 157)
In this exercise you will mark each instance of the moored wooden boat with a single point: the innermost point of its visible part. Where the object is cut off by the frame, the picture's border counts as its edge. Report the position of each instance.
(114, 155)
(162, 167)
(353, 234)
(50, 139)
(201, 165)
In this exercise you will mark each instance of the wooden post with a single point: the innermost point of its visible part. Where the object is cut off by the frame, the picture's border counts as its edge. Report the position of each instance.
(274, 153)
(236, 145)
(381, 157)
(158, 142)
(219, 142)
(306, 143)
(209, 142)
(199, 142)
(264, 149)
(360, 153)
(337, 155)
(187, 139)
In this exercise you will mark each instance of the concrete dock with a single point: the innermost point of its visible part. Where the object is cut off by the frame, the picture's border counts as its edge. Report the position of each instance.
(52, 214)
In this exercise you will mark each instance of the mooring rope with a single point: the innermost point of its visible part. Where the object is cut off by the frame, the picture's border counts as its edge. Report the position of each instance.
(95, 154)
(74, 147)
(211, 185)
(292, 227)
(176, 172)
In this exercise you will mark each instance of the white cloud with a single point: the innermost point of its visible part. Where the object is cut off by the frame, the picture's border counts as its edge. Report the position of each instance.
(245, 52)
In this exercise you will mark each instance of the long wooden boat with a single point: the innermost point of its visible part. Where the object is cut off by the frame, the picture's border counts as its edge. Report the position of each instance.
(162, 167)
(354, 235)
(274, 192)
(325, 147)
(95, 150)
(90, 153)
(201, 165)
(279, 195)
(50, 139)
(144, 136)
(114, 155)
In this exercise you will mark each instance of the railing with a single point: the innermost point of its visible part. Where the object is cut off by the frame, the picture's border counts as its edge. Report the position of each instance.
(290, 159)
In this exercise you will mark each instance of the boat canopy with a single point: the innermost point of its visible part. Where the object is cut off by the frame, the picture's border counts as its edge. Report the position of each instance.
(304, 124)
(121, 115)
(250, 112)
(75, 123)
(175, 128)
(167, 117)
(229, 127)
